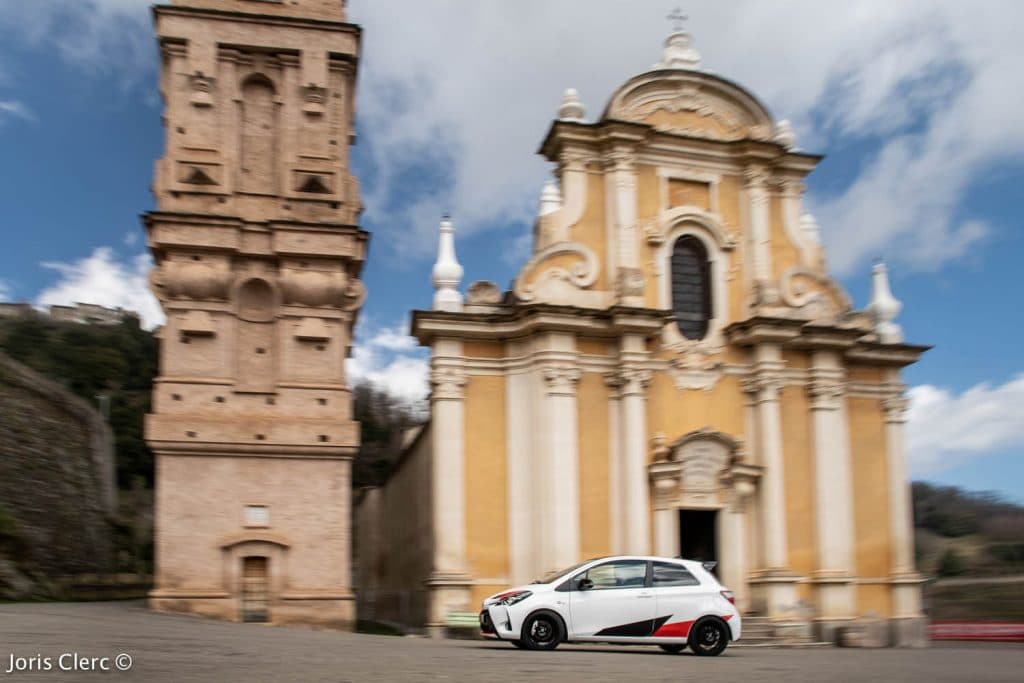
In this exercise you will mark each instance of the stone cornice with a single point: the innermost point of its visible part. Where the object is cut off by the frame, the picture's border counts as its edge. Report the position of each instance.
(759, 330)
(255, 17)
(528, 319)
(898, 355)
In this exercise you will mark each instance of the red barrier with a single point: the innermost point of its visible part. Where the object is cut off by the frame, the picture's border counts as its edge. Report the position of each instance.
(1002, 631)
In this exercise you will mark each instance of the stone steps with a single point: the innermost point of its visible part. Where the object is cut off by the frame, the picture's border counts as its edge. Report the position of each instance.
(759, 631)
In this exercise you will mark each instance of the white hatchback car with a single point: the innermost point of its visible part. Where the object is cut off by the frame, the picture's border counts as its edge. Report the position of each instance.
(630, 600)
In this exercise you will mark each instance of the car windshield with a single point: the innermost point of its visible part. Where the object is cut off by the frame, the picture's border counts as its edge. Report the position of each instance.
(556, 575)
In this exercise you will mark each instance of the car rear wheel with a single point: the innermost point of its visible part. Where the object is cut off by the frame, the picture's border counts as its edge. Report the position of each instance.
(542, 631)
(708, 638)
(673, 649)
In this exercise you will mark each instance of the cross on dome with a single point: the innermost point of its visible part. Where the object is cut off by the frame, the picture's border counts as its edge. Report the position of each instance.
(677, 18)
(678, 52)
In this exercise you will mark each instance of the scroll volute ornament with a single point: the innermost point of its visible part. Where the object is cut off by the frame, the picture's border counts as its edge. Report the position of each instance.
(199, 280)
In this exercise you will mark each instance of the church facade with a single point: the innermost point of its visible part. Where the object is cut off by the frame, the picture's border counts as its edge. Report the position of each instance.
(673, 372)
(257, 256)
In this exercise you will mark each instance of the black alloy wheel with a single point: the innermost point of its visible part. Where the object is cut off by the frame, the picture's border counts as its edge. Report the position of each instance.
(708, 638)
(542, 631)
(673, 649)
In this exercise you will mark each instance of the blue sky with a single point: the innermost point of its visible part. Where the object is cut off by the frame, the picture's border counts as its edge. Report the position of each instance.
(915, 104)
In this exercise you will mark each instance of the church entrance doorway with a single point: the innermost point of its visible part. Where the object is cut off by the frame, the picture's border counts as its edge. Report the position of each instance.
(697, 535)
(255, 589)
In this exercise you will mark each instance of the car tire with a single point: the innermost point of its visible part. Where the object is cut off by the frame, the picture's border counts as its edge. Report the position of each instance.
(708, 638)
(542, 631)
(518, 643)
(673, 649)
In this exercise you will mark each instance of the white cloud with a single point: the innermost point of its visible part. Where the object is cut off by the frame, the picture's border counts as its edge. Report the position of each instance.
(10, 109)
(6, 291)
(945, 429)
(391, 359)
(103, 278)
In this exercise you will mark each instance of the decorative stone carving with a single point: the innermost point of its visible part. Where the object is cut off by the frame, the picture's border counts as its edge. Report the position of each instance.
(817, 296)
(634, 380)
(314, 98)
(572, 108)
(826, 394)
(659, 451)
(557, 281)
(354, 295)
(884, 307)
(561, 379)
(895, 408)
(448, 383)
(483, 292)
(784, 135)
(202, 89)
(666, 487)
(692, 370)
(764, 387)
(629, 282)
(312, 287)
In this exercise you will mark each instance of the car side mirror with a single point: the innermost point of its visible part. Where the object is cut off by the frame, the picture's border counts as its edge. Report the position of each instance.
(584, 584)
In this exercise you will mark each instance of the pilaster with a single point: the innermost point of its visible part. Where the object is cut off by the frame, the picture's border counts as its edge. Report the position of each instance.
(562, 459)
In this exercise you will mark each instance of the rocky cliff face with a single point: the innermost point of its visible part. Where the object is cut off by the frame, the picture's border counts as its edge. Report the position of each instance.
(57, 485)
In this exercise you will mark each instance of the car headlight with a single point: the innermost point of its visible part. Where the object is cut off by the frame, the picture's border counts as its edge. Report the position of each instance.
(515, 598)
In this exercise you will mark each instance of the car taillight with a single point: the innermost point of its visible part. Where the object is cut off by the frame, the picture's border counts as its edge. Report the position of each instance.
(729, 596)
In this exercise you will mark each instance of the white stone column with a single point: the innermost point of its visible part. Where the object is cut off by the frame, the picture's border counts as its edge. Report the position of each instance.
(635, 498)
(665, 485)
(832, 489)
(448, 582)
(561, 433)
(756, 179)
(615, 467)
(620, 186)
(906, 584)
(775, 580)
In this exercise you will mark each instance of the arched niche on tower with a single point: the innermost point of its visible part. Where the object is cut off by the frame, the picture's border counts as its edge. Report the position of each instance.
(256, 303)
(259, 128)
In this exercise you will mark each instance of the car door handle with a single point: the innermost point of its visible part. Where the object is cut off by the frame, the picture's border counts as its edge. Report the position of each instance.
(645, 595)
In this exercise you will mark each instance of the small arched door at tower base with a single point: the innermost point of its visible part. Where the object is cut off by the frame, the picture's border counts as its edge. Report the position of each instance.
(255, 589)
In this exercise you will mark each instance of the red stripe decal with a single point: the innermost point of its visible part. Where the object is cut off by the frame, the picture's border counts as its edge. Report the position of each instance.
(727, 617)
(679, 629)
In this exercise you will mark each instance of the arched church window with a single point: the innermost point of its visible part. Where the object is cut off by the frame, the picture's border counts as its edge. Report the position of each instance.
(259, 135)
(691, 287)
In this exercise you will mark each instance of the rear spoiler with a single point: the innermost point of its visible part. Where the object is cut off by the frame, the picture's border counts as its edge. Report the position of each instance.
(709, 566)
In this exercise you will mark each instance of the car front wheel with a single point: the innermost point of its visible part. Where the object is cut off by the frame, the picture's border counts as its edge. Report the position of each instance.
(542, 631)
(708, 638)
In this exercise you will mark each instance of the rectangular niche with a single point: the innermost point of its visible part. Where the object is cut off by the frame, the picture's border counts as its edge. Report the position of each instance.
(689, 193)
(257, 516)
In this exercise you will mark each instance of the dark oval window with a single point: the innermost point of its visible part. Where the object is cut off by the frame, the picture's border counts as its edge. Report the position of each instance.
(691, 287)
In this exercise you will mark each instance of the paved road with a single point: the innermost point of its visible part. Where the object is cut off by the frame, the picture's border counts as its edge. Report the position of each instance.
(181, 648)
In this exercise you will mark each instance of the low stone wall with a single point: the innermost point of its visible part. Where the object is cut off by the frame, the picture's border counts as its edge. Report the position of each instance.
(58, 492)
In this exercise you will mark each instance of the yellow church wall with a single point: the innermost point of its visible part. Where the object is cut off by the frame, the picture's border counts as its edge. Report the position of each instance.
(590, 230)
(595, 522)
(796, 360)
(862, 373)
(595, 347)
(729, 194)
(483, 349)
(648, 198)
(485, 475)
(873, 598)
(675, 412)
(689, 193)
(870, 487)
(798, 465)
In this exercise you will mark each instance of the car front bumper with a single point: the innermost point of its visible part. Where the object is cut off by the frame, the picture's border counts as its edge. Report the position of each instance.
(496, 622)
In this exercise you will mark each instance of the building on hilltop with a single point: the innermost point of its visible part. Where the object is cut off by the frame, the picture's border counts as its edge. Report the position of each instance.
(91, 314)
(258, 256)
(674, 372)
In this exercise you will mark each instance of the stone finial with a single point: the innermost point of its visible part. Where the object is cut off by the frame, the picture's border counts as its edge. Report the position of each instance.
(809, 229)
(784, 134)
(447, 273)
(572, 108)
(884, 307)
(550, 199)
(679, 53)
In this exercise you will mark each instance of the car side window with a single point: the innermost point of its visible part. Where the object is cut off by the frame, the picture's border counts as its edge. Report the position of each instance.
(668, 574)
(618, 574)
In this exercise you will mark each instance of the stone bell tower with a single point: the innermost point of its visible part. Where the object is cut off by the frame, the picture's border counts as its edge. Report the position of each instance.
(258, 255)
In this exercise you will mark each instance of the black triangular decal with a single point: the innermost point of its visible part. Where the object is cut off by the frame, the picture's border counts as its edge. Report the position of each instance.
(198, 176)
(314, 183)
